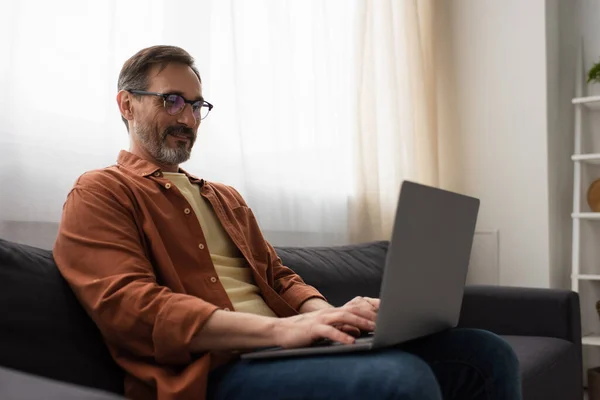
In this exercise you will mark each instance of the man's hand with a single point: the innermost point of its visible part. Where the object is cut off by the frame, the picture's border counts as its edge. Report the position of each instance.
(363, 303)
(302, 330)
(366, 305)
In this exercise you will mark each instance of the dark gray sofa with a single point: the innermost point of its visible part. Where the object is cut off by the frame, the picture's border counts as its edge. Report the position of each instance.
(542, 325)
(45, 332)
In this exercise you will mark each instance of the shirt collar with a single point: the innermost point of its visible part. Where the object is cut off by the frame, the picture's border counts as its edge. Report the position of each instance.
(192, 178)
(147, 168)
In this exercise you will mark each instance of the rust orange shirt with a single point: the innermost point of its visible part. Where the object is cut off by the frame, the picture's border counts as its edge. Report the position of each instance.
(133, 251)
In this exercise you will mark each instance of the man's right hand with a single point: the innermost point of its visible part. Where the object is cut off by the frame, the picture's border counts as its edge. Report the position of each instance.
(304, 329)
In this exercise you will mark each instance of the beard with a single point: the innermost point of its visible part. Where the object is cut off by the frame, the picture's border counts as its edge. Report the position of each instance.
(156, 144)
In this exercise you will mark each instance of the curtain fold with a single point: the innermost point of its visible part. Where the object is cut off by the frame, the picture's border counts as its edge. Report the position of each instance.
(396, 116)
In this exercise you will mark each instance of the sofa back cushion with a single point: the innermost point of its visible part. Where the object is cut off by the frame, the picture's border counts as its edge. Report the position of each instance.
(339, 273)
(43, 328)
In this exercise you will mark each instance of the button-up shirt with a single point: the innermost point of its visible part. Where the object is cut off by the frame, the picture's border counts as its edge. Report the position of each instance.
(133, 251)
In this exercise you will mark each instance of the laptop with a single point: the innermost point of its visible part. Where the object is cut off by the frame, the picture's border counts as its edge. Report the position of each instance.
(424, 274)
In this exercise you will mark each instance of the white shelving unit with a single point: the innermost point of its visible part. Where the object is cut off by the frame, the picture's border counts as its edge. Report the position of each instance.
(588, 279)
(590, 102)
(593, 158)
(582, 105)
(591, 340)
(585, 215)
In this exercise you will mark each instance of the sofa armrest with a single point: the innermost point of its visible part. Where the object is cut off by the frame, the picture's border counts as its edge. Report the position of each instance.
(17, 385)
(522, 311)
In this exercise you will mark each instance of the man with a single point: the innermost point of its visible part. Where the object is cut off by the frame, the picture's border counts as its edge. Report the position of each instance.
(175, 272)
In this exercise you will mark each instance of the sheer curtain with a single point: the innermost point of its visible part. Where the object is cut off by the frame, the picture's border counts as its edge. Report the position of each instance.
(281, 73)
(314, 118)
(396, 119)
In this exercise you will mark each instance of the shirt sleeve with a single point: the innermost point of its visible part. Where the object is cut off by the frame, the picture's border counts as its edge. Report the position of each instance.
(99, 251)
(290, 285)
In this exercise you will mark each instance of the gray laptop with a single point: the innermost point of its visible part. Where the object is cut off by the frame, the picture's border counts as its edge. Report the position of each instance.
(424, 274)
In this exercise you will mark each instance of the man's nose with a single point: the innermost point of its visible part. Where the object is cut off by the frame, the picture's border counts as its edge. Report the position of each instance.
(186, 116)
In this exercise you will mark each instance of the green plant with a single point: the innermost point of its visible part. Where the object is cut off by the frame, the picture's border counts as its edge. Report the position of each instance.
(594, 73)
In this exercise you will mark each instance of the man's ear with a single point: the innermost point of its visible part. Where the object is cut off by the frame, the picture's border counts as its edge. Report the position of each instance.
(125, 102)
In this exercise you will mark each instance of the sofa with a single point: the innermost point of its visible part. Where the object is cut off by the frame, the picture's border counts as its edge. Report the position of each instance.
(50, 348)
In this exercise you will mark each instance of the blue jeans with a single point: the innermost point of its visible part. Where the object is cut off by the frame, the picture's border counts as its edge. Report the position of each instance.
(456, 364)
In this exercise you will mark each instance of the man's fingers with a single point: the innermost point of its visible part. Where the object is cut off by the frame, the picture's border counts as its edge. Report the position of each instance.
(365, 303)
(362, 311)
(331, 333)
(349, 329)
(342, 316)
(373, 302)
(354, 301)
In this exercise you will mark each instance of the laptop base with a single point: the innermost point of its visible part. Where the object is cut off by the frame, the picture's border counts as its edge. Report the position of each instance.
(361, 344)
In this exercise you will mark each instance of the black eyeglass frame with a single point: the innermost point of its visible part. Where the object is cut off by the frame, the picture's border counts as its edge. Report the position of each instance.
(165, 95)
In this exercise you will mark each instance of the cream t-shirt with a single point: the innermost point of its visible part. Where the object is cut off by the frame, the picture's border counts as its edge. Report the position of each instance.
(232, 268)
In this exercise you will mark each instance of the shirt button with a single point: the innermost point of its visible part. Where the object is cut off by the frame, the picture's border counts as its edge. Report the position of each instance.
(213, 279)
(226, 309)
(201, 246)
(187, 211)
(168, 185)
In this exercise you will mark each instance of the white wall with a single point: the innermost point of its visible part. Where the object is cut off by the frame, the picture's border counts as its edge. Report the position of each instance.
(494, 129)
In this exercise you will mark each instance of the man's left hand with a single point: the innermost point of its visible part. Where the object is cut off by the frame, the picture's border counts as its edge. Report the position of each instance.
(366, 307)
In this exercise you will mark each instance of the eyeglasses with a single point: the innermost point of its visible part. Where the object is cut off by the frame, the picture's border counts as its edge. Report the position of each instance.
(174, 103)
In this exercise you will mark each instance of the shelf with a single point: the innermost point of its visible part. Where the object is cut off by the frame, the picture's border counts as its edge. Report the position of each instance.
(588, 277)
(586, 215)
(591, 340)
(591, 102)
(592, 158)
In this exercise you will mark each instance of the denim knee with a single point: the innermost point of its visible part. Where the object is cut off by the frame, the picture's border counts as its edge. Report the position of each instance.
(496, 361)
(393, 374)
(505, 362)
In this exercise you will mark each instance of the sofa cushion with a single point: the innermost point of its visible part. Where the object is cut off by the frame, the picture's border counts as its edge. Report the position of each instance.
(547, 359)
(339, 273)
(43, 329)
(537, 353)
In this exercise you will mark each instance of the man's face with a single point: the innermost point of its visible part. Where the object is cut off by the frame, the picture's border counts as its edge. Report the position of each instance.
(167, 138)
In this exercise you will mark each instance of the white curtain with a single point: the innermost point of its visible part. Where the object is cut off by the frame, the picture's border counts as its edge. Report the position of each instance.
(314, 119)
(281, 73)
(396, 117)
